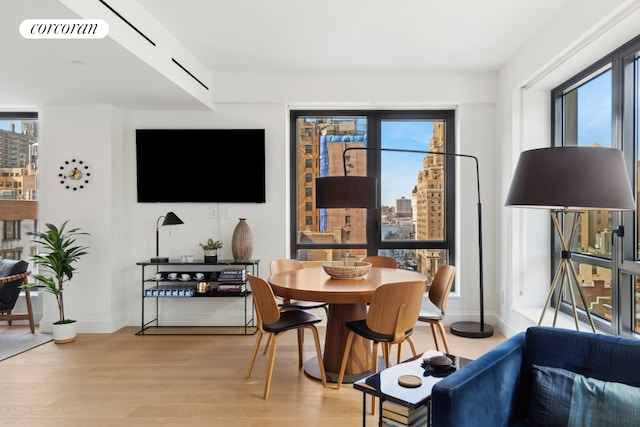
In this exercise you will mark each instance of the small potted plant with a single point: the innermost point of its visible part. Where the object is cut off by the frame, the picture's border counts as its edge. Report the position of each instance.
(58, 259)
(211, 250)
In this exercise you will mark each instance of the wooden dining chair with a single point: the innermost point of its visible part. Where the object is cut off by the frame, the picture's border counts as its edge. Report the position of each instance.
(392, 314)
(282, 265)
(438, 295)
(273, 321)
(286, 264)
(381, 261)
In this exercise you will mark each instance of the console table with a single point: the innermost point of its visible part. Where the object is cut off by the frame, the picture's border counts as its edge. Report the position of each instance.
(156, 285)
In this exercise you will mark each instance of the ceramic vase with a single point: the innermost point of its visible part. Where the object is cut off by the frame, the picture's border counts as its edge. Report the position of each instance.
(242, 241)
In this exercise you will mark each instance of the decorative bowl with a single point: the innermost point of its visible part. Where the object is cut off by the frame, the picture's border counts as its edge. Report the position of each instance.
(346, 269)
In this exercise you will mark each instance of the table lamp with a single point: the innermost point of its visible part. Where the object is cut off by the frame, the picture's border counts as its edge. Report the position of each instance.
(361, 192)
(169, 219)
(570, 179)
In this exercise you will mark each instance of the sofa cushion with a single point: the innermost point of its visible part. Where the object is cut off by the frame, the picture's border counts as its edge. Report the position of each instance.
(563, 398)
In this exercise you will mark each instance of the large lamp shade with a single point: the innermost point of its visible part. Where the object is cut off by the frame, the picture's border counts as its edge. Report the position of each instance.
(346, 192)
(571, 178)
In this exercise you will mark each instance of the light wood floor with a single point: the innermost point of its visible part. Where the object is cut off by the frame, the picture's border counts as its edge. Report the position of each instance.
(122, 380)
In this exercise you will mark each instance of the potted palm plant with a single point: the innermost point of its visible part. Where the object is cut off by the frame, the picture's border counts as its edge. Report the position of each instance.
(59, 255)
(211, 250)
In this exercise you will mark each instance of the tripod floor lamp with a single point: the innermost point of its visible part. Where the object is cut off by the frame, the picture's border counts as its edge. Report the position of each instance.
(361, 192)
(570, 179)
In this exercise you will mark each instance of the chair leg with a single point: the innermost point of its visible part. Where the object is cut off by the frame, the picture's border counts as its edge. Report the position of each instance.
(30, 311)
(316, 338)
(444, 337)
(374, 368)
(272, 359)
(266, 346)
(345, 357)
(412, 345)
(435, 335)
(256, 346)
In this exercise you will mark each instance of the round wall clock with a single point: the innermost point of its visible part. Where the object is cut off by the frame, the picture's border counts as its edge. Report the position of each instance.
(74, 174)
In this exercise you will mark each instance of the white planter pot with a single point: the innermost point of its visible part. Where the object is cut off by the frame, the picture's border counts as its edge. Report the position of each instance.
(64, 332)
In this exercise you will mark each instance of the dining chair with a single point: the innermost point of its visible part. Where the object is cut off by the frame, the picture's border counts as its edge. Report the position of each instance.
(438, 295)
(273, 321)
(392, 314)
(282, 265)
(286, 264)
(381, 261)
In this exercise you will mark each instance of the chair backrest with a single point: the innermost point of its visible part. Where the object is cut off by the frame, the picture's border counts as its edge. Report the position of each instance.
(395, 307)
(381, 261)
(12, 274)
(284, 264)
(441, 287)
(264, 300)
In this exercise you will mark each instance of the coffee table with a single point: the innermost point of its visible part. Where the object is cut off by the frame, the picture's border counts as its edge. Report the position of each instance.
(384, 384)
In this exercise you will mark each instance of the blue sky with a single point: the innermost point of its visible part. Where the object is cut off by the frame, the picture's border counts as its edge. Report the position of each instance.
(594, 111)
(399, 170)
(4, 124)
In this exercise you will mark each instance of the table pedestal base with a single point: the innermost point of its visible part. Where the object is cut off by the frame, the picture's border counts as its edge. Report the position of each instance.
(312, 370)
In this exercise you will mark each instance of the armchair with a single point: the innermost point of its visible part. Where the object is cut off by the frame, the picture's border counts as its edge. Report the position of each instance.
(13, 273)
(544, 377)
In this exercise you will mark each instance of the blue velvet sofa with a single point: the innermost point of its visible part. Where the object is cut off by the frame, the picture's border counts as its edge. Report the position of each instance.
(545, 377)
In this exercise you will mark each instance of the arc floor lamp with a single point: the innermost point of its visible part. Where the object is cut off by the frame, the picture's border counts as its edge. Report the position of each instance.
(361, 192)
(570, 179)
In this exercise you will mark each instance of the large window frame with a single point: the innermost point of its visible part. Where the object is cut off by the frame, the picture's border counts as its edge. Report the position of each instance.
(375, 243)
(620, 260)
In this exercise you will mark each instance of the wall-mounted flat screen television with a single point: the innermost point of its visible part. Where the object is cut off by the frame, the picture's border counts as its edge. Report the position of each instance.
(200, 165)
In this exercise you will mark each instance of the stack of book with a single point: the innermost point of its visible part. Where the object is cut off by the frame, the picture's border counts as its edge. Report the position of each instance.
(396, 415)
(231, 287)
(232, 275)
(233, 280)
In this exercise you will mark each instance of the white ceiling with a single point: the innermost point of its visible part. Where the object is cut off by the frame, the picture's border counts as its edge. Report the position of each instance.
(257, 36)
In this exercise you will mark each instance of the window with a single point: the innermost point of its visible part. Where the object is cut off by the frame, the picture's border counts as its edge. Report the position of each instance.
(10, 229)
(599, 106)
(415, 190)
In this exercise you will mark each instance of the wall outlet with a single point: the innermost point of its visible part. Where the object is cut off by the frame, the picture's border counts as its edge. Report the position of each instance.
(225, 213)
(213, 213)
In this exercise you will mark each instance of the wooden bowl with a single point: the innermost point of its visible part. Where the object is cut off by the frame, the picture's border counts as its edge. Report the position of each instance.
(346, 269)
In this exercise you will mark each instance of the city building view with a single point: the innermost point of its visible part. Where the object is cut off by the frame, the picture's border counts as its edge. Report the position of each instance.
(18, 187)
(418, 210)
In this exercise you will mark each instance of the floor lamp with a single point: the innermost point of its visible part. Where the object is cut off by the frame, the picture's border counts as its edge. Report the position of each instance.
(361, 192)
(169, 219)
(570, 179)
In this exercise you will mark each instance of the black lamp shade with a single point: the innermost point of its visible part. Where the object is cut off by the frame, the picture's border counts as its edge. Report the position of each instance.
(571, 178)
(171, 219)
(346, 192)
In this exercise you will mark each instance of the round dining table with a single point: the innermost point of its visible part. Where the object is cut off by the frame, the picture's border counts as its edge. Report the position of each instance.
(347, 299)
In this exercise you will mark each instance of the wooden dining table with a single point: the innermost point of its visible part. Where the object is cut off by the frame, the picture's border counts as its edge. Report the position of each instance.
(347, 299)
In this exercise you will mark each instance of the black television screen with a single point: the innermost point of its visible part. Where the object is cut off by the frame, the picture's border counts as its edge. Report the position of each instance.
(200, 165)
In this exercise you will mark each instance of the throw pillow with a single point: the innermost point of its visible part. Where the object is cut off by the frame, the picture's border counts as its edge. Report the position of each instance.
(563, 398)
